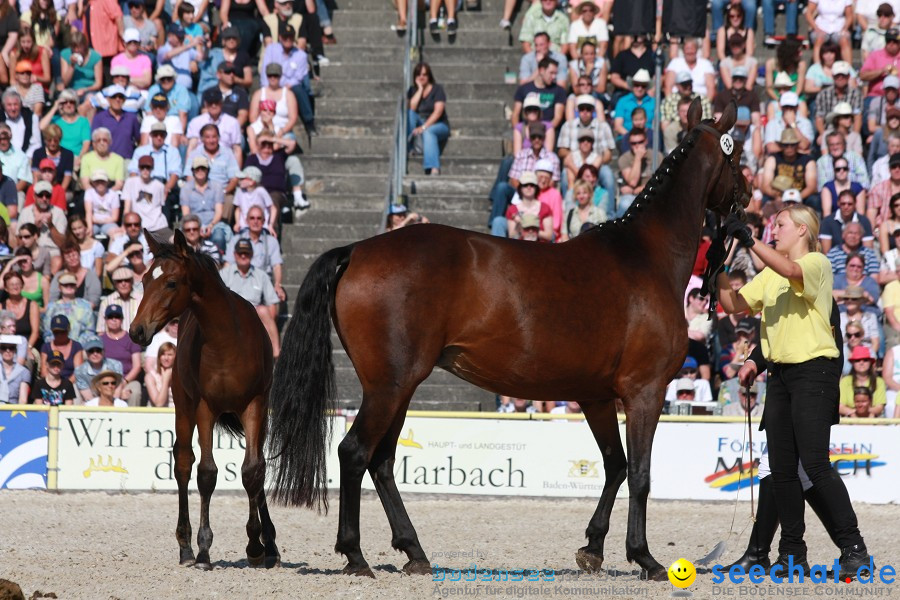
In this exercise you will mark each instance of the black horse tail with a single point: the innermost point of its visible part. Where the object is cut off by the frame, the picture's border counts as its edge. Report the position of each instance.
(231, 423)
(303, 391)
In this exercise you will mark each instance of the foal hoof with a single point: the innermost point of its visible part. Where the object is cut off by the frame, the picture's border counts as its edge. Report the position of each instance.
(588, 561)
(203, 566)
(417, 567)
(257, 561)
(358, 571)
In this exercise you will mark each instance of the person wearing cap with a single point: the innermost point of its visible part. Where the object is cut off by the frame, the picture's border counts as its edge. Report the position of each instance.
(235, 101)
(748, 402)
(294, 67)
(23, 124)
(134, 60)
(266, 250)
(31, 92)
(102, 206)
(229, 52)
(123, 126)
(690, 371)
(863, 380)
(587, 26)
(703, 75)
(790, 118)
(102, 158)
(545, 16)
(552, 95)
(119, 346)
(146, 196)
(829, 98)
(222, 165)
(846, 213)
(841, 119)
(137, 19)
(179, 96)
(740, 90)
(96, 362)
(528, 64)
(882, 63)
(283, 16)
(837, 146)
(48, 219)
(628, 62)
(511, 224)
(531, 113)
(684, 83)
(586, 152)
(206, 200)
(182, 54)
(81, 66)
(15, 382)
(229, 127)
(78, 315)
(273, 107)
(167, 166)
(398, 217)
(57, 338)
(877, 113)
(170, 126)
(254, 286)
(75, 130)
(88, 283)
(52, 388)
(252, 194)
(602, 142)
(636, 97)
(45, 186)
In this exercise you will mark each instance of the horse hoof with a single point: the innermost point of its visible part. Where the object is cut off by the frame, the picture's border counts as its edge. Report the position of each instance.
(657, 573)
(203, 566)
(417, 567)
(273, 562)
(256, 561)
(359, 571)
(588, 561)
(187, 562)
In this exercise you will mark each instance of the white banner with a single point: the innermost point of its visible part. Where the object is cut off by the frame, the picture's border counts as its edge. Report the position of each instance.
(132, 450)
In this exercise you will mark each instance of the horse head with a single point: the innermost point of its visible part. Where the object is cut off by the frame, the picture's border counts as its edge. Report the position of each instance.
(728, 191)
(167, 289)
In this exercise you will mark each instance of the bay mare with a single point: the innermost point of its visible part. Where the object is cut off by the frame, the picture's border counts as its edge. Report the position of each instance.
(222, 375)
(596, 318)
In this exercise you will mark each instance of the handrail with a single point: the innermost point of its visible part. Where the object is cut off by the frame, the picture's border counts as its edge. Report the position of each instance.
(412, 50)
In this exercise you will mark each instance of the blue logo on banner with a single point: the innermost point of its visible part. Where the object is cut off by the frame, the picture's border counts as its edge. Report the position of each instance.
(23, 449)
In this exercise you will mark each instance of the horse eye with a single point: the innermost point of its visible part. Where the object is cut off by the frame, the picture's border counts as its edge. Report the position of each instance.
(171, 285)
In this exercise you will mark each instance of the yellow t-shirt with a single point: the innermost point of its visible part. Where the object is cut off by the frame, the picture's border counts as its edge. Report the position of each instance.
(878, 398)
(796, 324)
(890, 297)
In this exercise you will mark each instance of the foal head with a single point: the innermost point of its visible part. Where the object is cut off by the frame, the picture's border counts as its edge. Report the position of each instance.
(175, 274)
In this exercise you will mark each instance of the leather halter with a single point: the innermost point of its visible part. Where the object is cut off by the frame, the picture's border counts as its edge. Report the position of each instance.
(727, 146)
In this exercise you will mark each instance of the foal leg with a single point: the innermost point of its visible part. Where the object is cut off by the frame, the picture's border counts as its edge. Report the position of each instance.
(253, 474)
(403, 534)
(207, 472)
(601, 417)
(184, 459)
(643, 412)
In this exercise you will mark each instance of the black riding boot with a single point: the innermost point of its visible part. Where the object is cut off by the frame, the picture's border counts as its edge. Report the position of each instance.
(763, 530)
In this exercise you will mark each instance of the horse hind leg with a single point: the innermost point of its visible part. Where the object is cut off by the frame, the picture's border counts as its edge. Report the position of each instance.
(207, 473)
(403, 534)
(184, 461)
(273, 557)
(642, 416)
(253, 475)
(601, 417)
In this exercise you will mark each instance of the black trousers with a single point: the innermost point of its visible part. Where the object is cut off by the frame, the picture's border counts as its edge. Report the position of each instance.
(801, 406)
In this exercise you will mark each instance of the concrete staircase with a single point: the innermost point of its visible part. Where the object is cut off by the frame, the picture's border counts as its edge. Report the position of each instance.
(347, 165)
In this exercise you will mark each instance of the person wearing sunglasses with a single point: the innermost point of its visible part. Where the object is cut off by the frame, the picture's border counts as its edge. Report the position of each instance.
(15, 380)
(49, 220)
(846, 213)
(105, 385)
(134, 234)
(179, 96)
(96, 362)
(840, 186)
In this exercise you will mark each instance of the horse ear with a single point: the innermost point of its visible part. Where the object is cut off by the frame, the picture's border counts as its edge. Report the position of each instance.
(181, 244)
(728, 118)
(695, 113)
(152, 242)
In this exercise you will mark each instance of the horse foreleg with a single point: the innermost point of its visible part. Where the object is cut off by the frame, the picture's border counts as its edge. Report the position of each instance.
(601, 417)
(642, 416)
(253, 474)
(207, 472)
(184, 460)
(403, 534)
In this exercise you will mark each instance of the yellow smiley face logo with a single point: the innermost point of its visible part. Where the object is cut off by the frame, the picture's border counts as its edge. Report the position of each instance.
(682, 573)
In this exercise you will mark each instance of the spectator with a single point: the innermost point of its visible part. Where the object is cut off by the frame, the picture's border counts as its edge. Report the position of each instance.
(54, 157)
(53, 388)
(830, 21)
(450, 8)
(87, 285)
(747, 403)
(47, 188)
(862, 381)
(190, 226)
(840, 185)
(15, 379)
(23, 124)
(60, 341)
(92, 251)
(123, 126)
(255, 287)
(172, 129)
(105, 385)
(891, 374)
(854, 277)
(877, 113)
(24, 354)
(852, 242)
(879, 139)
(515, 405)
(880, 168)
(205, 199)
(820, 75)
(95, 364)
(628, 62)
(582, 86)
(701, 71)
(874, 25)
(137, 19)
(102, 158)
(228, 126)
(504, 189)
(14, 162)
(883, 63)
(841, 119)
(739, 59)
(266, 251)
(106, 27)
(30, 91)
(601, 143)
(789, 64)
(739, 21)
(887, 242)
(24, 310)
(636, 98)
(528, 64)
(280, 172)
(140, 69)
(230, 52)
(223, 167)
(167, 166)
(235, 101)
(146, 196)
(511, 226)
(530, 227)
(551, 94)
(545, 16)
(836, 98)
(179, 97)
(670, 107)
(736, 89)
(272, 107)
(183, 55)
(124, 296)
(76, 130)
(837, 147)
(584, 214)
(252, 194)
(135, 98)
(48, 219)
(789, 118)
(878, 208)
(398, 217)
(81, 67)
(159, 382)
(34, 53)
(119, 346)
(102, 206)
(584, 154)
(587, 28)
(289, 64)
(548, 193)
(36, 289)
(284, 15)
(636, 169)
(689, 370)
(428, 116)
(833, 225)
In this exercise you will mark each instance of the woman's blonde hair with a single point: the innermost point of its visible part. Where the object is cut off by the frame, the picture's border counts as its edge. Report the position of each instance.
(804, 215)
(163, 348)
(581, 184)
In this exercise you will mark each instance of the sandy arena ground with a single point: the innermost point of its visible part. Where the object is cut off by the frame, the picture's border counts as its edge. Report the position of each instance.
(99, 546)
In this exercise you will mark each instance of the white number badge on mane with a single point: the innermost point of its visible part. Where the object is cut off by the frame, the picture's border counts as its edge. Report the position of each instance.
(727, 144)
